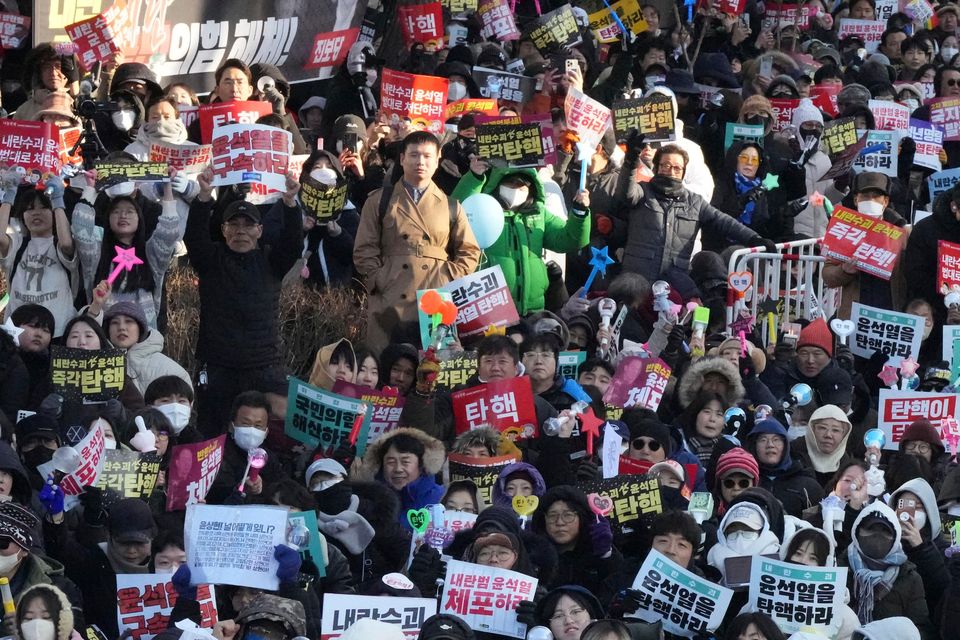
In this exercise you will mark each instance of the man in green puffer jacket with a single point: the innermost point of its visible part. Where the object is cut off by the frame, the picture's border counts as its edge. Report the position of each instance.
(528, 228)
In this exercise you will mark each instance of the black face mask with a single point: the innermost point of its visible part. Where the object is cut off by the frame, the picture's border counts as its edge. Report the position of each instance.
(666, 185)
(805, 133)
(755, 119)
(36, 457)
(877, 545)
(335, 499)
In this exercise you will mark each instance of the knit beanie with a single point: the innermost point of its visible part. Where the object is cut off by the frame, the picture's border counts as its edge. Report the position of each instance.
(769, 425)
(652, 429)
(922, 431)
(759, 104)
(130, 309)
(737, 460)
(816, 334)
(806, 112)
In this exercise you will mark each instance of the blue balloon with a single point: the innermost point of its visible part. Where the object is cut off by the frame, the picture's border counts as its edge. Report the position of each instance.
(485, 216)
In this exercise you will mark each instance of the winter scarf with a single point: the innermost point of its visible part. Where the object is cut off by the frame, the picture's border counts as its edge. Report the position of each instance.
(347, 527)
(873, 579)
(824, 462)
(119, 564)
(702, 448)
(744, 187)
(667, 186)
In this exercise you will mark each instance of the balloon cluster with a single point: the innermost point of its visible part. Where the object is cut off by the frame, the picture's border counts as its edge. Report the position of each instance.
(440, 311)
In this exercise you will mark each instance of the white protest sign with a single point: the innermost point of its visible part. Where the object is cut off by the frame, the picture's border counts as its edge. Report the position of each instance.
(482, 299)
(889, 116)
(797, 596)
(146, 600)
(90, 451)
(686, 603)
(587, 117)
(886, 8)
(929, 140)
(942, 181)
(486, 598)
(898, 335)
(899, 409)
(234, 544)
(869, 30)
(455, 521)
(610, 454)
(883, 160)
(340, 611)
(253, 153)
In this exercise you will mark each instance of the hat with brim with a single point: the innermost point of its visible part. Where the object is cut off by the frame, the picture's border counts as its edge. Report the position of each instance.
(242, 208)
(681, 82)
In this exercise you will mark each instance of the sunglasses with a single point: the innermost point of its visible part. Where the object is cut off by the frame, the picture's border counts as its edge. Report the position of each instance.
(5, 543)
(952, 82)
(746, 159)
(640, 444)
(743, 483)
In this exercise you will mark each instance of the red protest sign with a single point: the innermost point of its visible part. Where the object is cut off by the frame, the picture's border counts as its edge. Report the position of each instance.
(788, 14)
(632, 467)
(387, 406)
(221, 113)
(732, 7)
(872, 245)
(146, 600)
(94, 40)
(505, 405)
(945, 113)
(638, 382)
(482, 300)
(193, 468)
(496, 20)
(68, 140)
(420, 98)
(824, 96)
(331, 49)
(783, 111)
(422, 23)
(13, 29)
(899, 409)
(948, 257)
(485, 106)
(35, 146)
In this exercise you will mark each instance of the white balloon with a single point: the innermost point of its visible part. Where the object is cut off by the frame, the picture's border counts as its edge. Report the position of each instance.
(486, 218)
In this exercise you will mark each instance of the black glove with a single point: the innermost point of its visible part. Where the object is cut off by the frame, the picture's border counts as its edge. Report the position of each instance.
(527, 613)
(768, 245)
(94, 512)
(587, 470)
(844, 358)
(747, 370)
(635, 141)
(345, 453)
(425, 569)
(51, 406)
(630, 601)
(677, 335)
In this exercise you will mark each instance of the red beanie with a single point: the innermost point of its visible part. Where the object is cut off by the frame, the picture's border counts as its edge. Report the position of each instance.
(922, 431)
(738, 459)
(817, 334)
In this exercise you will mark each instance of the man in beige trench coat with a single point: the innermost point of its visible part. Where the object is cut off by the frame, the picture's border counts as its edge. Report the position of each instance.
(415, 244)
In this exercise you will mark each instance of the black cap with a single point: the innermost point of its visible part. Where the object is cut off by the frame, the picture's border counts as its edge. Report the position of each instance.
(132, 521)
(241, 208)
(37, 426)
(18, 523)
(445, 627)
(872, 181)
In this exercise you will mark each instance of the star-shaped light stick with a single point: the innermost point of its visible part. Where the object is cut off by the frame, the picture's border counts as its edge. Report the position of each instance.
(888, 375)
(590, 427)
(126, 260)
(772, 181)
(908, 374)
(12, 330)
(600, 261)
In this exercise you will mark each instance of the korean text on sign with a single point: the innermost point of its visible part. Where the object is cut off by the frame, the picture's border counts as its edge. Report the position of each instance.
(320, 418)
(496, 19)
(897, 335)
(638, 382)
(652, 116)
(872, 245)
(586, 116)
(482, 299)
(456, 369)
(483, 472)
(520, 145)
(948, 257)
(340, 611)
(557, 28)
(130, 473)
(898, 409)
(145, 602)
(91, 449)
(251, 153)
(387, 405)
(94, 39)
(31, 145)
(330, 49)
(193, 469)
(91, 376)
(636, 499)
(486, 598)
(797, 596)
(420, 98)
(505, 405)
(945, 113)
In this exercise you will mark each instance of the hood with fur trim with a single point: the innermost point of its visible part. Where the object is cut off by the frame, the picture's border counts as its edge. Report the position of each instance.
(64, 622)
(434, 454)
(924, 491)
(487, 437)
(692, 380)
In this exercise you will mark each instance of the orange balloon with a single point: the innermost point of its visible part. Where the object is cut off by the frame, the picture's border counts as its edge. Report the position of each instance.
(449, 312)
(431, 302)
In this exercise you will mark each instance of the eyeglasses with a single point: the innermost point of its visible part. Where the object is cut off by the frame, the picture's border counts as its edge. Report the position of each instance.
(952, 82)
(538, 356)
(917, 447)
(642, 443)
(742, 483)
(748, 159)
(562, 517)
(676, 169)
(489, 554)
(573, 613)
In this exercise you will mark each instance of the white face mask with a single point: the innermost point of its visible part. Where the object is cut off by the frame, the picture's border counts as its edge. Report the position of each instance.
(919, 519)
(456, 91)
(513, 198)
(325, 175)
(109, 444)
(178, 415)
(740, 541)
(38, 629)
(7, 563)
(871, 208)
(248, 437)
(947, 53)
(123, 119)
(123, 189)
(911, 104)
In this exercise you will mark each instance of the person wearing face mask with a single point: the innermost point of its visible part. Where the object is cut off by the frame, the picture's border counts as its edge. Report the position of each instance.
(247, 431)
(44, 613)
(808, 121)
(38, 436)
(173, 396)
(162, 126)
(744, 531)
(118, 129)
(872, 198)
(919, 261)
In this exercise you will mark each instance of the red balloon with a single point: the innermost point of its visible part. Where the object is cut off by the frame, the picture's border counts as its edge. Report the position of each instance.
(449, 311)
(431, 302)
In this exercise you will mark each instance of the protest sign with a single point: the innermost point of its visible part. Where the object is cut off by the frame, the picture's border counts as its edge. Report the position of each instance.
(94, 40)
(778, 15)
(554, 30)
(87, 376)
(838, 135)
(636, 499)
(482, 472)
(504, 86)
(950, 349)
(423, 24)
(886, 8)
(110, 174)
(251, 153)
(942, 181)
(456, 369)
(587, 117)
(455, 521)
(569, 361)
(31, 145)
(736, 132)
(638, 382)
(219, 114)
(303, 531)
(14, 28)
(262, 194)
(146, 600)
(546, 130)
(459, 6)
(193, 468)
(869, 31)
(486, 598)
(824, 96)
(485, 106)
(482, 300)
(68, 151)
(606, 29)
(798, 596)
(920, 11)
(871, 244)
(130, 473)
(419, 98)
(948, 259)
(91, 449)
(783, 109)
(496, 20)
(317, 417)
(506, 405)
(340, 611)
(234, 544)
(331, 49)
(511, 145)
(899, 409)
(188, 114)
(325, 203)
(898, 335)
(387, 405)
(929, 140)
(652, 116)
(182, 157)
(945, 113)
(687, 604)
(889, 116)
(883, 158)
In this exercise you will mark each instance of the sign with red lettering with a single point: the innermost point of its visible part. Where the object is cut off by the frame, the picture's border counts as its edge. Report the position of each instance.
(482, 300)
(221, 113)
(387, 406)
(91, 449)
(94, 39)
(889, 116)
(331, 49)
(193, 468)
(470, 105)
(945, 113)
(251, 153)
(13, 29)
(732, 7)
(422, 23)
(788, 14)
(871, 244)
(783, 111)
(869, 31)
(189, 158)
(486, 597)
(35, 146)
(899, 409)
(505, 405)
(146, 600)
(68, 140)
(638, 382)
(422, 99)
(586, 116)
(496, 20)
(948, 257)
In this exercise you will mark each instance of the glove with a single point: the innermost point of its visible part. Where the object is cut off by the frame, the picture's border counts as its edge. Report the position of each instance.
(9, 181)
(425, 569)
(51, 497)
(675, 339)
(768, 245)
(146, 440)
(94, 513)
(574, 306)
(747, 370)
(344, 453)
(427, 372)
(52, 406)
(587, 470)
(276, 100)
(333, 229)
(635, 141)
(630, 601)
(181, 583)
(288, 563)
(844, 358)
(55, 189)
(527, 613)
(180, 183)
(601, 537)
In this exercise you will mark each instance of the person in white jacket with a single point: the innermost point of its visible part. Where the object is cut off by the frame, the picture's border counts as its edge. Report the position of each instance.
(127, 328)
(807, 123)
(698, 178)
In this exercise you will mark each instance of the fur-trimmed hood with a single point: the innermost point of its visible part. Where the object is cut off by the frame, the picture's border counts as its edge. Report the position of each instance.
(692, 380)
(434, 454)
(64, 622)
(481, 436)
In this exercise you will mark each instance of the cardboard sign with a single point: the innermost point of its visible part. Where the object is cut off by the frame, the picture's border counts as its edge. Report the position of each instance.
(94, 40)
(511, 145)
(942, 181)
(317, 417)
(423, 24)
(893, 333)
(87, 376)
(882, 160)
(569, 362)
(838, 135)
(869, 31)
(340, 611)
(110, 174)
(387, 406)
(824, 97)
(586, 116)
(687, 604)
(783, 109)
(504, 86)
(303, 530)
(945, 113)
(889, 116)
(91, 449)
(14, 29)
(130, 473)
(636, 500)
(482, 300)
(193, 469)
(31, 145)
(459, 6)
(505, 405)
(899, 409)
(797, 596)
(325, 203)
(483, 472)
(948, 259)
(190, 159)
(871, 244)
(777, 16)
(929, 140)
(652, 116)
(546, 130)
(638, 382)
(486, 598)
(456, 369)
(470, 105)
(251, 153)
(737, 132)
(331, 49)
(419, 98)
(606, 29)
(218, 114)
(67, 142)
(496, 20)
(146, 600)
(234, 544)
(554, 30)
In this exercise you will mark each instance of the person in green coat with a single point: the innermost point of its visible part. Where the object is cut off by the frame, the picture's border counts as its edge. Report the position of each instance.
(529, 228)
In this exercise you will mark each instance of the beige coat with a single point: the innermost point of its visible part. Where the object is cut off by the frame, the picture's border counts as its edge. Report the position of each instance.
(407, 254)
